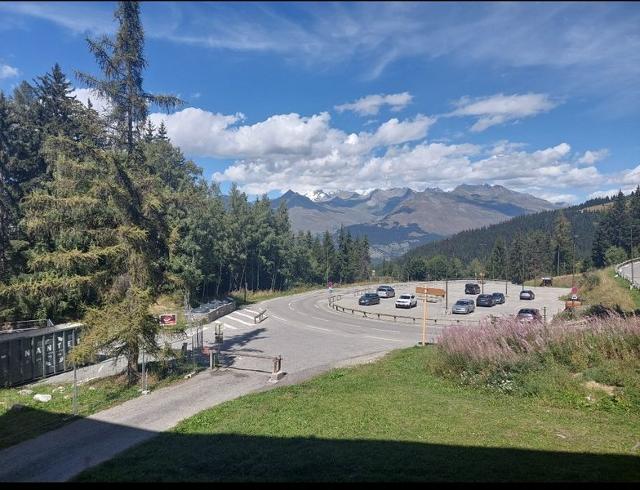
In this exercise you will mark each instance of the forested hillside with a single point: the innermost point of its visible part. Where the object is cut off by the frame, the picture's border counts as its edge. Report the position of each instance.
(99, 215)
(596, 233)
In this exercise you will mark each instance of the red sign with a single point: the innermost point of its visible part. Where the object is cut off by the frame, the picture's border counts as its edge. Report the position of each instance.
(168, 319)
(574, 290)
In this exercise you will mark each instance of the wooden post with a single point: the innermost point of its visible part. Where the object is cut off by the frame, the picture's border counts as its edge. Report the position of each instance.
(424, 321)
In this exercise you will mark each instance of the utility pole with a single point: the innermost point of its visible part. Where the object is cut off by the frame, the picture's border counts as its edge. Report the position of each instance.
(523, 271)
(573, 278)
(424, 318)
(631, 254)
(75, 389)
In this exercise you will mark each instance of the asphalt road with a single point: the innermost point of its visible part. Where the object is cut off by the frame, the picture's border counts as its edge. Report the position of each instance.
(311, 338)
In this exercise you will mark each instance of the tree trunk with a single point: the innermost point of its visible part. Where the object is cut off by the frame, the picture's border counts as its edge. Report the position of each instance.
(132, 365)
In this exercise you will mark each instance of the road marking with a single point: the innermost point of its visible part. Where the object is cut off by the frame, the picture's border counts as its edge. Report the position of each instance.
(243, 314)
(278, 318)
(321, 319)
(319, 328)
(251, 311)
(384, 330)
(231, 317)
(316, 305)
(225, 325)
(291, 307)
(382, 338)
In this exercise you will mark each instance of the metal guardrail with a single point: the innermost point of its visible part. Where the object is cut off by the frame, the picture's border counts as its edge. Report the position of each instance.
(433, 321)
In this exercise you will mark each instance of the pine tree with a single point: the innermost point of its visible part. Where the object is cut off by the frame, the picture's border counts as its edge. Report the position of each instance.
(162, 132)
(149, 132)
(122, 62)
(634, 223)
(562, 244)
(498, 259)
(617, 219)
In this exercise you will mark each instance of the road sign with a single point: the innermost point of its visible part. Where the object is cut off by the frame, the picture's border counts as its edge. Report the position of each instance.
(574, 290)
(430, 291)
(168, 319)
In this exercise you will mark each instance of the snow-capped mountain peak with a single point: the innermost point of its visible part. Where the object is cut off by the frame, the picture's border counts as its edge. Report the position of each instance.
(318, 195)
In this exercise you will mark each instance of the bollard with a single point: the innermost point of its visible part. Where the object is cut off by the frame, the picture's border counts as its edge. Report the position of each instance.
(210, 359)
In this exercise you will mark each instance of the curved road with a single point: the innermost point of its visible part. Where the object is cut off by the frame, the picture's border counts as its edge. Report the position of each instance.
(311, 338)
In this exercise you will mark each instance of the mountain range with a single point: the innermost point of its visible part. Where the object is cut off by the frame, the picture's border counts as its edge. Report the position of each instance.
(398, 219)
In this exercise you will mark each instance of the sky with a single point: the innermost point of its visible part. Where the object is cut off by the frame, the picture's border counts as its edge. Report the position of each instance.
(542, 98)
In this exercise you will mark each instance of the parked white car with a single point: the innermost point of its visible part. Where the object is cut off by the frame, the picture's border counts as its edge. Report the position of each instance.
(406, 301)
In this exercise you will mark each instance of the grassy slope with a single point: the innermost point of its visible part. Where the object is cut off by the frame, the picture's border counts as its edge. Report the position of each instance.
(390, 420)
(609, 292)
(36, 417)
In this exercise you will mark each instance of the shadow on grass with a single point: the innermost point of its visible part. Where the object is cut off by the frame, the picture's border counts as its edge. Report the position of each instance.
(23, 422)
(64, 453)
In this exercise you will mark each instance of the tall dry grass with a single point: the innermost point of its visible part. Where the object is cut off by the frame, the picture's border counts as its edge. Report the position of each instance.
(507, 341)
(554, 361)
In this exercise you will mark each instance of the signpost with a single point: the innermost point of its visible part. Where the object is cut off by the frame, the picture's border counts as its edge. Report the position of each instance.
(425, 291)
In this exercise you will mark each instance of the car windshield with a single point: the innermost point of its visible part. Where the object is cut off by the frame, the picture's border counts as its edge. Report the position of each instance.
(497, 294)
(405, 296)
(370, 295)
(462, 302)
(527, 312)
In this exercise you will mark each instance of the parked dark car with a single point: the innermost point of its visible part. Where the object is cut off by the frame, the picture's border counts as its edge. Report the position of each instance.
(463, 306)
(386, 292)
(499, 297)
(485, 300)
(529, 315)
(369, 299)
(471, 288)
(527, 294)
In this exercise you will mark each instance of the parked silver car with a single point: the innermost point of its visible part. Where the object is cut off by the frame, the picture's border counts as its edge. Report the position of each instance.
(406, 301)
(386, 292)
(463, 306)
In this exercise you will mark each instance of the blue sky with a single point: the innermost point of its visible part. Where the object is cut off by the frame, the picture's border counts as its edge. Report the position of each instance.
(542, 98)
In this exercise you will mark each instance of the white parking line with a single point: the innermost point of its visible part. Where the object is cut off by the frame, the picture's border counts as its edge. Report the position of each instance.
(382, 338)
(230, 317)
(226, 325)
(239, 312)
(321, 319)
(278, 318)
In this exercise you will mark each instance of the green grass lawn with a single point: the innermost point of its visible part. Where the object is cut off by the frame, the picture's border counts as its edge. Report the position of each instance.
(389, 420)
(22, 417)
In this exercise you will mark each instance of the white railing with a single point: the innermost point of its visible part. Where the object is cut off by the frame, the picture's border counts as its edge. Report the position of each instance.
(633, 278)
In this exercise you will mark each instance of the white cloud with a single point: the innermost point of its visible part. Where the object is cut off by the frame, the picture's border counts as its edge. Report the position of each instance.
(204, 133)
(7, 71)
(305, 153)
(500, 108)
(610, 192)
(371, 104)
(591, 157)
(99, 103)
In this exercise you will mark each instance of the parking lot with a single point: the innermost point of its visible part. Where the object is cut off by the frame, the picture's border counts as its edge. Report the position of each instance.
(545, 297)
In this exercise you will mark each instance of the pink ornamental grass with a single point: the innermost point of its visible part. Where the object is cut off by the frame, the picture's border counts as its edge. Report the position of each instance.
(507, 339)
